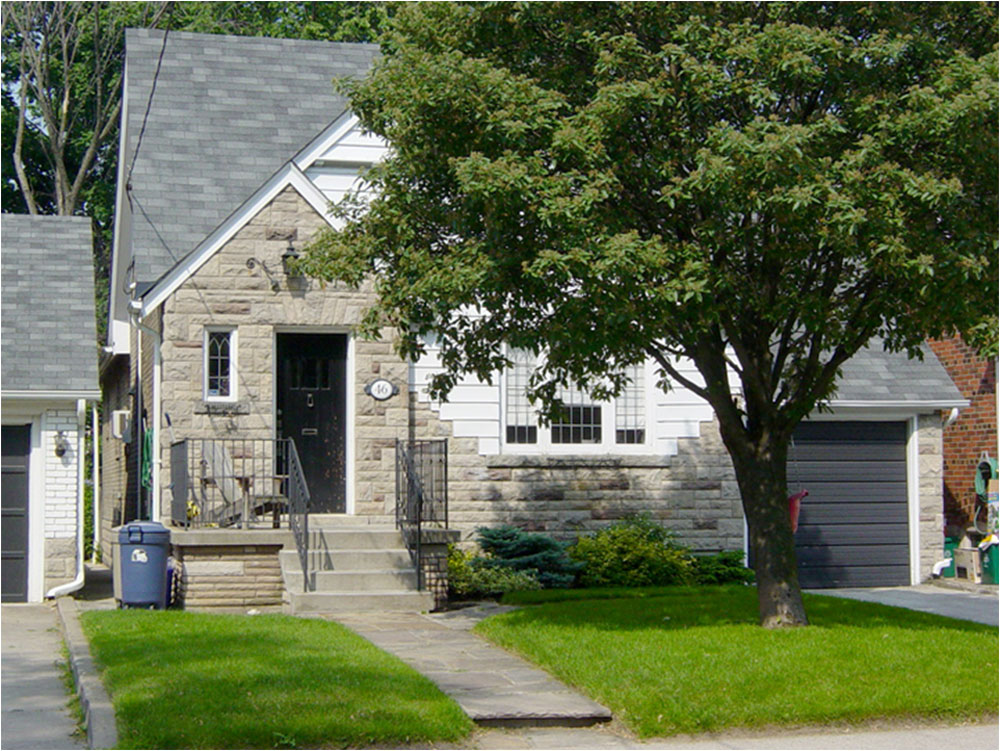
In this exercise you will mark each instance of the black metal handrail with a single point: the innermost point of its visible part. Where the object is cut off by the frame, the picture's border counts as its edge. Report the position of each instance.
(421, 493)
(298, 512)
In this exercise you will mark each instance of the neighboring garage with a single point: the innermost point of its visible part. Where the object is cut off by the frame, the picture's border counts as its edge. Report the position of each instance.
(854, 525)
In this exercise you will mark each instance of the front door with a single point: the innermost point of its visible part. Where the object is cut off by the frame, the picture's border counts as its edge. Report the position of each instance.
(312, 410)
(16, 449)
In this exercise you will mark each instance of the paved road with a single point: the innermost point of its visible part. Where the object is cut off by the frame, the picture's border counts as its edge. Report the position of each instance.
(33, 713)
(928, 599)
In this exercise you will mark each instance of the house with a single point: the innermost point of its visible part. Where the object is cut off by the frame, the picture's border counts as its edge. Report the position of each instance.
(973, 432)
(49, 386)
(255, 393)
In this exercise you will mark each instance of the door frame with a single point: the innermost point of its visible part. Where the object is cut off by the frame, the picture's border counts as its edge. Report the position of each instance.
(349, 385)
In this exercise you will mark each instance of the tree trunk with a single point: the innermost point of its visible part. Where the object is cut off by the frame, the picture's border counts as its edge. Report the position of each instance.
(762, 479)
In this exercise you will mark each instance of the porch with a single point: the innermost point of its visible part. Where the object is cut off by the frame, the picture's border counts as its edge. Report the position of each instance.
(245, 537)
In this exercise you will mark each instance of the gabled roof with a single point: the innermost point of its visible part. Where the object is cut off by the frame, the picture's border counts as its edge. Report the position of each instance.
(874, 377)
(48, 337)
(227, 112)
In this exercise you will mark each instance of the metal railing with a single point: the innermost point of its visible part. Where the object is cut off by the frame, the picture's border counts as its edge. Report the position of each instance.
(421, 493)
(245, 483)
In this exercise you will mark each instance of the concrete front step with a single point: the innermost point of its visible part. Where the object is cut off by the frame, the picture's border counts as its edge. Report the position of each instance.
(356, 581)
(348, 560)
(354, 539)
(359, 602)
(318, 521)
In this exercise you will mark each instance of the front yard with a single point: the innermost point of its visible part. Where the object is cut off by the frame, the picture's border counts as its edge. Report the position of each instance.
(690, 660)
(186, 680)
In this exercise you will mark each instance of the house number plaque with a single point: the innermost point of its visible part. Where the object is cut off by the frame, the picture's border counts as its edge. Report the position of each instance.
(381, 389)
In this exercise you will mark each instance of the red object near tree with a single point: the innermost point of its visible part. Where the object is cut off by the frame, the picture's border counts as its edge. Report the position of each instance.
(794, 506)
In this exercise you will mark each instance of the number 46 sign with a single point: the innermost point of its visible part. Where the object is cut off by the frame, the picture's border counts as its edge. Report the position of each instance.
(381, 389)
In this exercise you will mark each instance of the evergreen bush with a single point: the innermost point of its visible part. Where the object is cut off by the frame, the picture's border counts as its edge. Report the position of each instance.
(635, 552)
(542, 556)
(471, 576)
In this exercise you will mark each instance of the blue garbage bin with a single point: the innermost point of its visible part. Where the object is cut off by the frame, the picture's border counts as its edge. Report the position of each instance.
(143, 548)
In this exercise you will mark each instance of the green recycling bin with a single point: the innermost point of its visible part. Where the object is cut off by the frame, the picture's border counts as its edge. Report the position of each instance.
(950, 544)
(991, 566)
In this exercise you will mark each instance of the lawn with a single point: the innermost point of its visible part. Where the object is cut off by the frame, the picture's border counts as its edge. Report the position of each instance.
(693, 659)
(187, 680)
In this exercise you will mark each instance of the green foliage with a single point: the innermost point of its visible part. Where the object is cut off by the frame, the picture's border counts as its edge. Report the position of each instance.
(472, 576)
(694, 660)
(635, 552)
(540, 555)
(721, 568)
(761, 188)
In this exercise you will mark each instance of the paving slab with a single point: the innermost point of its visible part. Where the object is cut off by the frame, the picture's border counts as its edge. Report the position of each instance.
(927, 598)
(34, 700)
(492, 686)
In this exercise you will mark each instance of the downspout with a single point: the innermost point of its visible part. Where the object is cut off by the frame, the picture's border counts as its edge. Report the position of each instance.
(96, 475)
(77, 583)
(155, 511)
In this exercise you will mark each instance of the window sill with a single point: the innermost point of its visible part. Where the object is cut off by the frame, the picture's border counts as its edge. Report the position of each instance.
(613, 461)
(222, 408)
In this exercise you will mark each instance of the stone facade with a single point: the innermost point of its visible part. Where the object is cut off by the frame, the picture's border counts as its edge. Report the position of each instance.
(931, 532)
(221, 570)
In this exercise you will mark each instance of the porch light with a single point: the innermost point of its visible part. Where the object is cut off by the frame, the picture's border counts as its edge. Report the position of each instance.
(289, 257)
(62, 444)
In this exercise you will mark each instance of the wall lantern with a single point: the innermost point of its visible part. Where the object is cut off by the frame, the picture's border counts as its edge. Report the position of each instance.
(253, 263)
(62, 444)
(288, 259)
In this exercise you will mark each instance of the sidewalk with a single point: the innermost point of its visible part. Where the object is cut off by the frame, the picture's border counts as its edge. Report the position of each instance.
(492, 686)
(34, 711)
(928, 598)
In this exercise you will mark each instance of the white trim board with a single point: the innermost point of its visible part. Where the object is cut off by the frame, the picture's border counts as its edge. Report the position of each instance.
(288, 176)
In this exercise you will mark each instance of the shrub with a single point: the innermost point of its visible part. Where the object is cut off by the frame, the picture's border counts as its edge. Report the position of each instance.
(722, 568)
(471, 575)
(635, 552)
(540, 555)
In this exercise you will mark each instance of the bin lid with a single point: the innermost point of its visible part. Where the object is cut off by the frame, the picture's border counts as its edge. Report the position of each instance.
(147, 533)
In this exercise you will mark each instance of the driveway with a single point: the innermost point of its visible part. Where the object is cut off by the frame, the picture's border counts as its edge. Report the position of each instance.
(34, 711)
(927, 598)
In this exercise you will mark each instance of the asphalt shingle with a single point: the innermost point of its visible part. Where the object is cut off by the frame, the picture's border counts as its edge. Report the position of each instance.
(48, 337)
(226, 113)
(874, 375)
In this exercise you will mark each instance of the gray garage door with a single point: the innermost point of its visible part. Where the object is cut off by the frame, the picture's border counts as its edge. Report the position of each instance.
(853, 529)
(16, 440)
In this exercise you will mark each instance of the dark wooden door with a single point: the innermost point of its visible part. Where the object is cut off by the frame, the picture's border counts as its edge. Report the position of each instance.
(312, 410)
(16, 449)
(854, 525)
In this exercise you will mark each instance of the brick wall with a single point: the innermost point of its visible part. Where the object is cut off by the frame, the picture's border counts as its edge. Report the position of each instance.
(60, 497)
(114, 453)
(973, 432)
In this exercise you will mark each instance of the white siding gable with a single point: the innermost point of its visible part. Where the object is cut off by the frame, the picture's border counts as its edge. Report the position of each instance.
(336, 160)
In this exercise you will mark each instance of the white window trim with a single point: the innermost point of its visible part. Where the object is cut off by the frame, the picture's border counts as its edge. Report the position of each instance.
(233, 364)
(607, 446)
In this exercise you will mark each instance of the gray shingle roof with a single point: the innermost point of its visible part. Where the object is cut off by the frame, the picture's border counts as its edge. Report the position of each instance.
(874, 375)
(227, 112)
(48, 336)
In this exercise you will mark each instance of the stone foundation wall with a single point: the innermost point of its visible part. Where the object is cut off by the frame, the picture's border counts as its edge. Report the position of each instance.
(60, 561)
(227, 576)
(931, 486)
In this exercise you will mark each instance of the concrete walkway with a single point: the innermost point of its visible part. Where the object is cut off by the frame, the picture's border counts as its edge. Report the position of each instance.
(928, 598)
(34, 712)
(492, 686)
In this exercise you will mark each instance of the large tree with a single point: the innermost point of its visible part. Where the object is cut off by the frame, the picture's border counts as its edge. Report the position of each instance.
(761, 188)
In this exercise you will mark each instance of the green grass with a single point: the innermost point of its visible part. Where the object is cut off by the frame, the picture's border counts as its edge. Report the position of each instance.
(694, 659)
(187, 680)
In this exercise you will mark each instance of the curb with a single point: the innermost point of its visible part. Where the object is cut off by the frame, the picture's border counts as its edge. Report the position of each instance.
(99, 715)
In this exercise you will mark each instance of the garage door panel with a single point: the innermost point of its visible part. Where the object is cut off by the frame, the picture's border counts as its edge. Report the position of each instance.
(841, 492)
(851, 430)
(16, 440)
(832, 452)
(852, 555)
(851, 534)
(873, 472)
(861, 513)
(855, 576)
